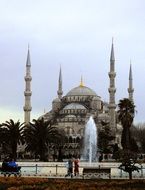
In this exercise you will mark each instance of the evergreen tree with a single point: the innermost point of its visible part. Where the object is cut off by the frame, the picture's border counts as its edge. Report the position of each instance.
(104, 139)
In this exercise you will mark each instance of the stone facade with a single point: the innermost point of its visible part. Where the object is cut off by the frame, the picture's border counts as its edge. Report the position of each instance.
(72, 112)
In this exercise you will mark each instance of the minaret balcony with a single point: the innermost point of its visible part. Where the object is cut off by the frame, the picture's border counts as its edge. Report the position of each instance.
(112, 106)
(27, 93)
(26, 108)
(28, 78)
(112, 74)
(130, 90)
(112, 90)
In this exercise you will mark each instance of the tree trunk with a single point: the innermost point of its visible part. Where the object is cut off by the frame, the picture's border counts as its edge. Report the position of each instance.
(43, 157)
(125, 139)
(14, 151)
(60, 154)
(128, 138)
(130, 175)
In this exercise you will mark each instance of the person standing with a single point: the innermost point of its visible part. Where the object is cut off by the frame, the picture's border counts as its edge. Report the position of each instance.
(76, 167)
(69, 168)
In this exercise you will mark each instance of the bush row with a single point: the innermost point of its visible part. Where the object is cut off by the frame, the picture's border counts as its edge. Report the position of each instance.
(21, 183)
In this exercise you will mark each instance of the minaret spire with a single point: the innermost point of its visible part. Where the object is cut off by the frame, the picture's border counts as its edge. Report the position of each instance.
(112, 91)
(112, 58)
(27, 92)
(130, 88)
(28, 62)
(60, 92)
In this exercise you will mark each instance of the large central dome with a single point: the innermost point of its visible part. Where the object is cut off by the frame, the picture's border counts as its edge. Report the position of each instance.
(81, 91)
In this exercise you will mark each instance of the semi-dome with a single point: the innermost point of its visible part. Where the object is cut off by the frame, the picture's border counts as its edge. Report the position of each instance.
(56, 100)
(74, 106)
(81, 91)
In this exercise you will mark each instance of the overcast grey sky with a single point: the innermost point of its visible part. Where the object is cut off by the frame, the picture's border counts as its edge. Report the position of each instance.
(76, 34)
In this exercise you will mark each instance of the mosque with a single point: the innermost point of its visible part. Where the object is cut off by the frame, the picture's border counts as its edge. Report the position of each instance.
(73, 109)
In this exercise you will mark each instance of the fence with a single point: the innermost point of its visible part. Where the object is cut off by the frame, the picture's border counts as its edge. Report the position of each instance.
(59, 170)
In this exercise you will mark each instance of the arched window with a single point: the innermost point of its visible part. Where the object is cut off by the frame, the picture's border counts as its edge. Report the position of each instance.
(78, 140)
(74, 140)
(70, 140)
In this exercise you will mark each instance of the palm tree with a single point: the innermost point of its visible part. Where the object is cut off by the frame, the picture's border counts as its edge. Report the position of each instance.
(11, 134)
(38, 135)
(126, 115)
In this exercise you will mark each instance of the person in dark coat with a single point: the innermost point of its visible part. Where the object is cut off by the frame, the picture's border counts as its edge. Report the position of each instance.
(70, 168)
(5, 164)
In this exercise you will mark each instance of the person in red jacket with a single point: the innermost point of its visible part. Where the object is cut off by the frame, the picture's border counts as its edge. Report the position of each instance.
(76, 167)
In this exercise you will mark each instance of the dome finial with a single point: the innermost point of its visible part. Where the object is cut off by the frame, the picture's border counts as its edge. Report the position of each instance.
(81, 83)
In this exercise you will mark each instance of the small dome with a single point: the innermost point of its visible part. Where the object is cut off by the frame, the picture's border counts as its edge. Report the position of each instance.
(96, 98)
(56, 100)
(81, 91)
(74, 106)
(103, 116)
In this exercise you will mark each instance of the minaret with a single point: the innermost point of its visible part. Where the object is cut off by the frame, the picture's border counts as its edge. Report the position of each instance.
(27, 92)
(130, 89)
(112, 90)
(60, 92)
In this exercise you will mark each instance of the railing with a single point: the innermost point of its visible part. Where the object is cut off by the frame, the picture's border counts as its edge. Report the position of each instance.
(59, 170)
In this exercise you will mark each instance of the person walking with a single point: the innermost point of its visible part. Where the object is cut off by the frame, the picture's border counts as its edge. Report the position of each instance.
(76, 167)
(69, 166)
